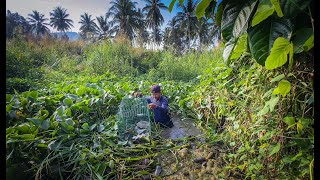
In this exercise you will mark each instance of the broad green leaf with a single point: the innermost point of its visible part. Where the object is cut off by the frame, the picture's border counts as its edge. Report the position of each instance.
(25, 136)
(289, 120)
(10, 130)
(68, 101)
(274, 149)
(81, 90)
(24, 128)
(292, 8)
(8, 108)
(45, 124)
(235, 19)
(60, 110)
(264, 111)
(85, 126)
(279, 53)
(300, 38)
(9, 98)
(75, 107)
(86, 109)
(181, 2)
(171, 5)
(277, 78)
(34, 94)
(227, 52)
(219, 14)
(273, 102)
(283, 88)
(201, 8)
(68, 112)
(302, 124)
(111, 164)
(210, 9)
(70, 122)
(287, 159)
(240, 47)
(262, 36)
(35, 121)
(309, 44)
(44, 113)
(276, 5)
(299, 127)
(264, 10)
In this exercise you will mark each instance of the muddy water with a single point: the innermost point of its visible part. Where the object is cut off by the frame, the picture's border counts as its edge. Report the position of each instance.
(181, 163)
(182, 128)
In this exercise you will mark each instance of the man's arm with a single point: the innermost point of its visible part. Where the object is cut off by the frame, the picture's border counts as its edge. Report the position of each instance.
(164, 105)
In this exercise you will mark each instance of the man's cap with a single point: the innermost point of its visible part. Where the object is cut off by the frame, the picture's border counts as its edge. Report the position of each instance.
(155, 89)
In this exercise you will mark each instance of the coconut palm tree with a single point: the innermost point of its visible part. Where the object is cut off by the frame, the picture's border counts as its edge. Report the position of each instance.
(88, 26)
(14, 22)
(154, 18)
(204, 27)
(38, 24)
(59, 19)
(126, 19)
(187, 19)
(174, 36)
(103, 27)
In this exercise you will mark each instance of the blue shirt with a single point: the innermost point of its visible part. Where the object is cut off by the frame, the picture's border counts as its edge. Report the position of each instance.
(161, 111)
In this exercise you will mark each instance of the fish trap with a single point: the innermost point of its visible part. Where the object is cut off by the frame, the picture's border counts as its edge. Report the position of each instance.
(133, 119)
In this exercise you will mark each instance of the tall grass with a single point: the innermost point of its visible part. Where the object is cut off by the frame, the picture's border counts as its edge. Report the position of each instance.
(49, 60)
(186, 67)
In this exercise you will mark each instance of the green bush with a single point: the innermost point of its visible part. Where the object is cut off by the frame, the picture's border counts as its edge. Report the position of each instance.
(186, 67)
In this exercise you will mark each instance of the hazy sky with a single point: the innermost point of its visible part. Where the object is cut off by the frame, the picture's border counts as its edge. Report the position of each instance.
(74, 8)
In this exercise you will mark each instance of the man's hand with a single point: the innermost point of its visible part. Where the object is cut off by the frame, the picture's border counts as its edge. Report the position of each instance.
(152, 106)
(137, 94)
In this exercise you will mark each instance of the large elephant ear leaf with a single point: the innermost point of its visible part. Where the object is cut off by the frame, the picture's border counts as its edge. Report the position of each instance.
(202, 7)
(219, 13)
(292, 8)
(262, 36)
(235, 19)
(264, 10)
(300, 38)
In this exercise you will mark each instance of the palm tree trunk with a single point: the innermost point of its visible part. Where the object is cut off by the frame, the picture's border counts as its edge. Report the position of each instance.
(154, 37)
(200, 47)
(189, 34)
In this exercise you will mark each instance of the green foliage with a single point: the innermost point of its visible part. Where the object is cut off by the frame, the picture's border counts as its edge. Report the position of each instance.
(265, 9)
(258, 19)
(234, 23)
(279, 52)
(65, 126)
(185, 68)
(201, 8)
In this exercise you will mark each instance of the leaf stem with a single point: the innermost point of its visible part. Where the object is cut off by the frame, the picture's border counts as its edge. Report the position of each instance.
(312, 21)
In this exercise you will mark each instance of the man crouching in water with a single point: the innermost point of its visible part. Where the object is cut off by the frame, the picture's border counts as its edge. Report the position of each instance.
(159, 105)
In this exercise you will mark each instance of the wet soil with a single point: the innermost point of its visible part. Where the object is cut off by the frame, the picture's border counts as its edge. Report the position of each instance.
(182, 128)
(196, 161)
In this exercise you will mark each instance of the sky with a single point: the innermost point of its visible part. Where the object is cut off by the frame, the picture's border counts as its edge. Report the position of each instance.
(75, 8)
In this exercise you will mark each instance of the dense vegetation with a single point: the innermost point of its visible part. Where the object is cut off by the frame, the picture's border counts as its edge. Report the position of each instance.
(253, 98)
